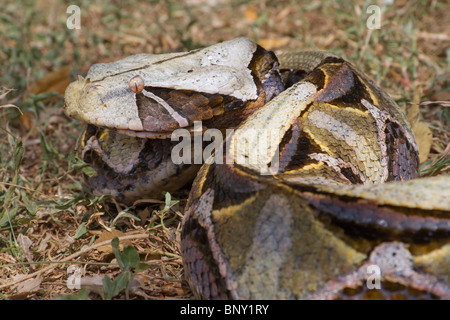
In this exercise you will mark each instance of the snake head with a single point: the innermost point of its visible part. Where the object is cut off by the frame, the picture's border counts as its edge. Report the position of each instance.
(146, 94)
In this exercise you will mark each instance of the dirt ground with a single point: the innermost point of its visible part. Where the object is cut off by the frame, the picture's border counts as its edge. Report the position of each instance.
(51, 227)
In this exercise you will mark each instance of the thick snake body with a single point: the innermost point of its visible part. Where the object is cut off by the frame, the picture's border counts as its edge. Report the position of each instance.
(314, 191)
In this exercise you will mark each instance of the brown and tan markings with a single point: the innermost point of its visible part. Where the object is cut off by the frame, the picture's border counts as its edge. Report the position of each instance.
(333, 194)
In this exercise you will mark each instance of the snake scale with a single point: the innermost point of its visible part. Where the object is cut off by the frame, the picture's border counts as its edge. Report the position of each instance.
(314, 194)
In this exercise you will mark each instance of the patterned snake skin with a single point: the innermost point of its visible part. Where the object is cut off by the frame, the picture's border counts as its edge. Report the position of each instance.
(314, 195)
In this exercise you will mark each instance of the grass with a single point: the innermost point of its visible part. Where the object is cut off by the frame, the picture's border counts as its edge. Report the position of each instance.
(46, 214)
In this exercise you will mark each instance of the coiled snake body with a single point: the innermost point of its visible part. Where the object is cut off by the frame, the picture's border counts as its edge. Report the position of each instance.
(310, 197)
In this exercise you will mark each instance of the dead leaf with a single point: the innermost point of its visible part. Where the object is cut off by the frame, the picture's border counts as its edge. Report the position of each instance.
(250, 14)
(96, 217)
(412, 113)
(57, 80)
(24, 244)
(21, 296)
(174, 289)
(421, 131)
(109, 235)
(424, 138)
(28, 119)
(44, 242)
(273, 43)
(139, 285)
(441, 96)
(30, 285)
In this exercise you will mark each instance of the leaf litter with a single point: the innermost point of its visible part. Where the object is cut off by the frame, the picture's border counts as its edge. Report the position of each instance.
(51, 222)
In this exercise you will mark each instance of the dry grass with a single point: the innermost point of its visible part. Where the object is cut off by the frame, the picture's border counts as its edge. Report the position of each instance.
(47, 218)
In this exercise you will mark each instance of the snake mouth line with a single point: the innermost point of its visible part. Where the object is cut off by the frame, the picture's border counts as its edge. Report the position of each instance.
(192, 130)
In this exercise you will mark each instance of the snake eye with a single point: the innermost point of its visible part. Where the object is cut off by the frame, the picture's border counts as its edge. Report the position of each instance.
(136, 84)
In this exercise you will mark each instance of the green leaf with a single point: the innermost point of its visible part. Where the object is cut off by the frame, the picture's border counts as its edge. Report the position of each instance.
(87, 170)
(116, 250)
(34, 101)
(169, 203)
(125, 214)
(18, 154)
(128, 258)
(31, 206)
(109, 287)
(141, 266)
(49, 149)
(81, 230)
(121, 282)
(113, 287)
(76, 164)
(8, 216)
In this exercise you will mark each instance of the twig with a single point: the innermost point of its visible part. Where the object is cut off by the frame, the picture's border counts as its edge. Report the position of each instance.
(21, 187)
(71, 257)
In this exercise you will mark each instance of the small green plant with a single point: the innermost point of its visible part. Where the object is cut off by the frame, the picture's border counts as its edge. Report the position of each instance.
(6, 213)
(130, 265)
(169, 203)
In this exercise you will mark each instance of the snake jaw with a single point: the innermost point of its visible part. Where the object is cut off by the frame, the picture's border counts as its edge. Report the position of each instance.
(120, 94)
(135, 125)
